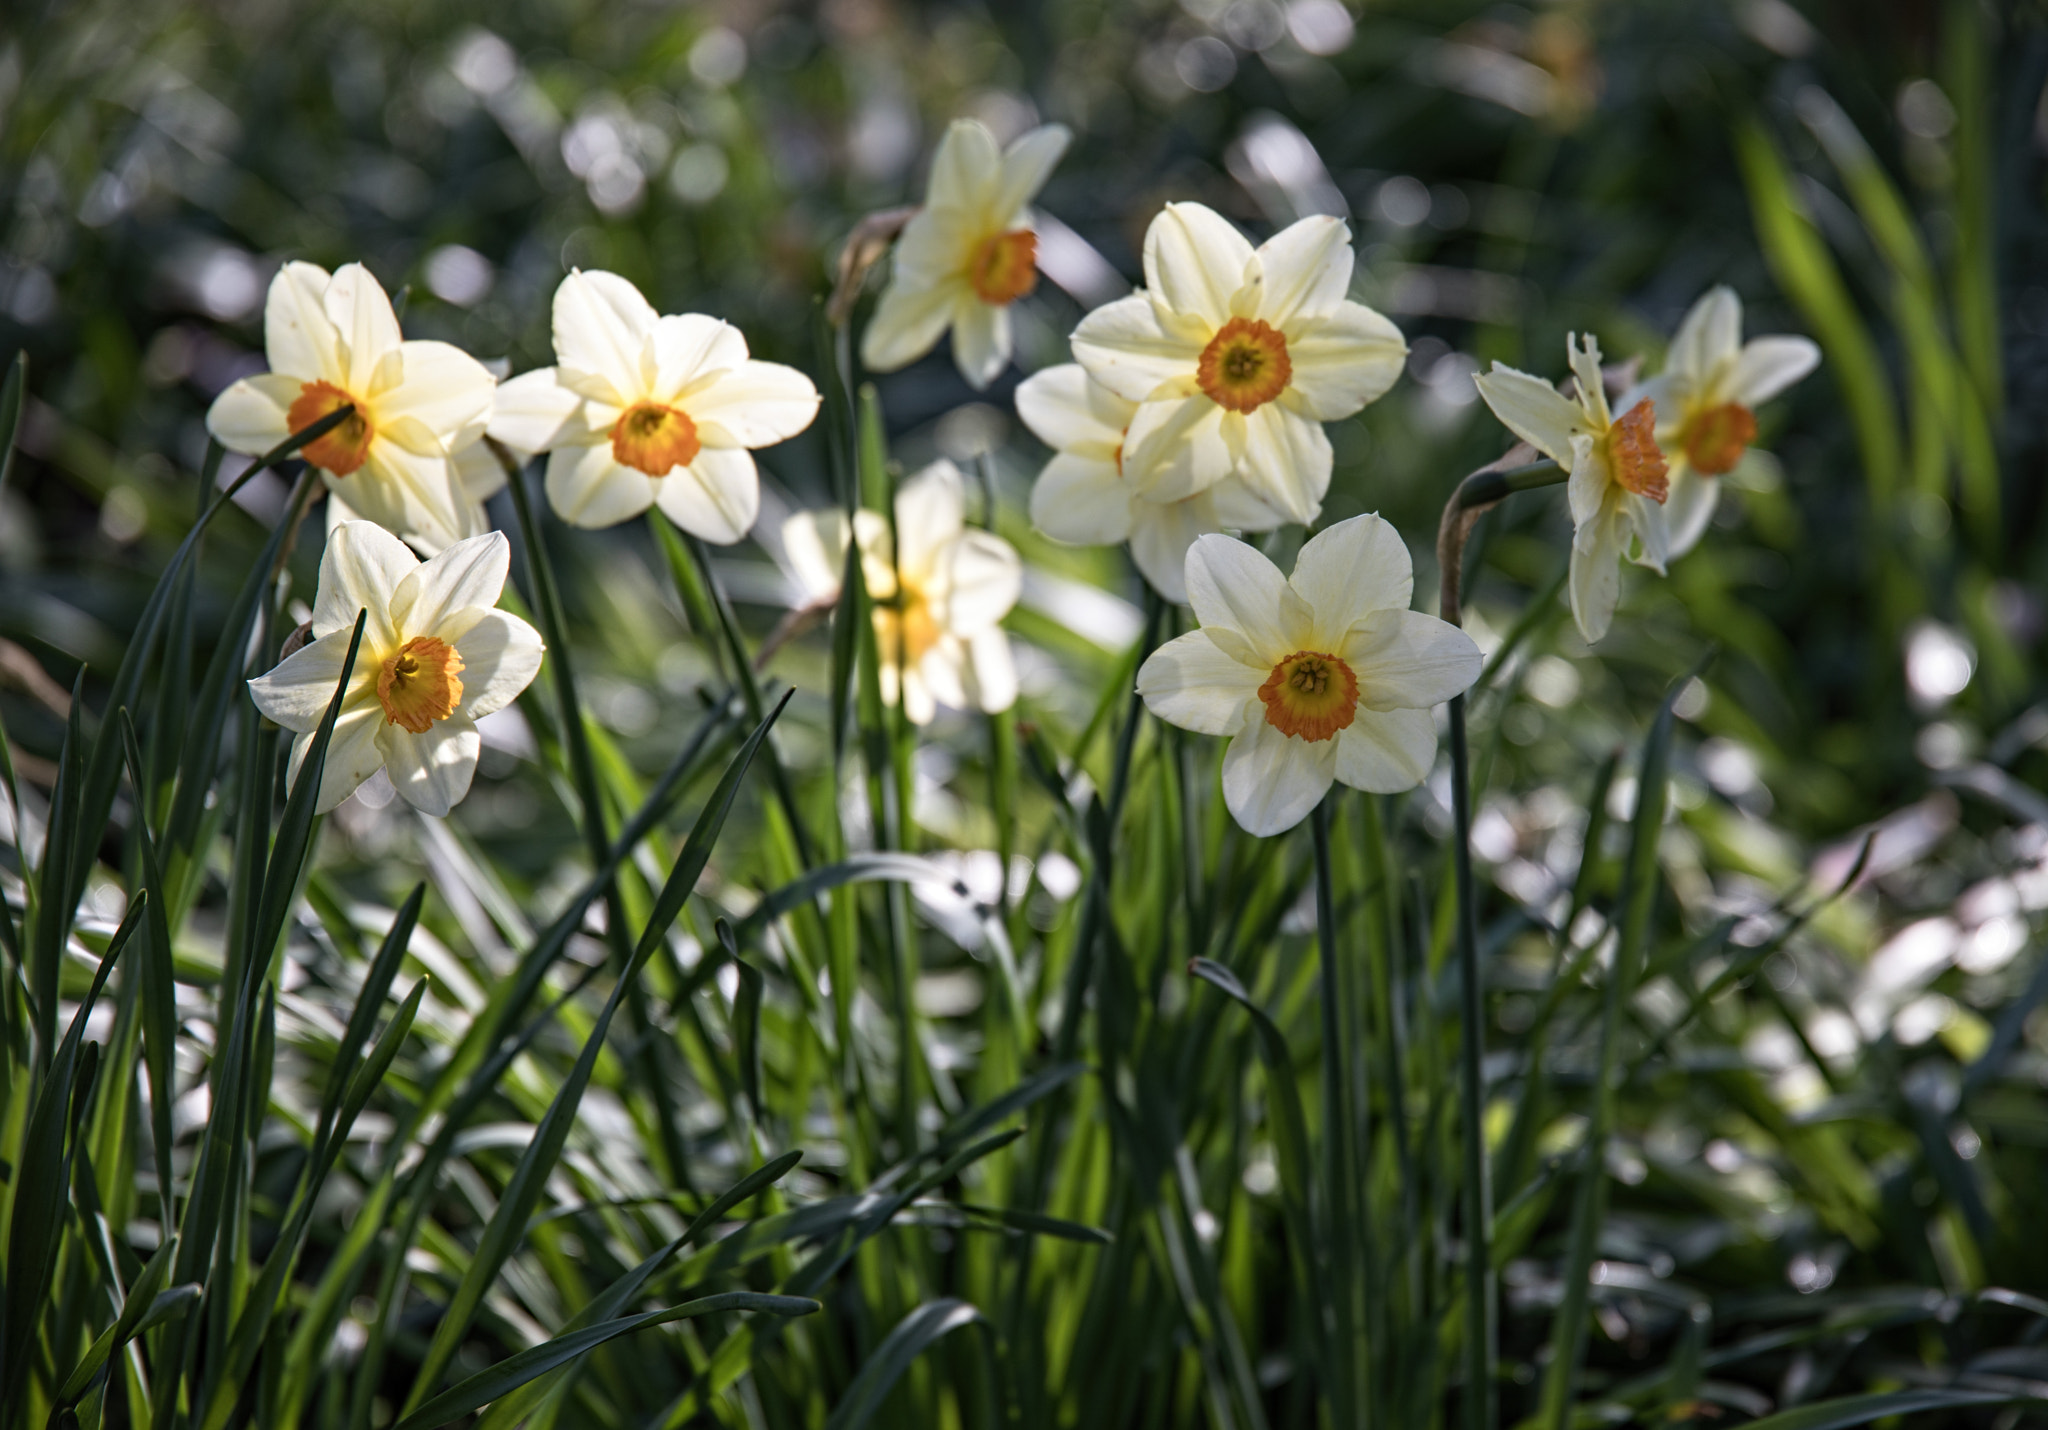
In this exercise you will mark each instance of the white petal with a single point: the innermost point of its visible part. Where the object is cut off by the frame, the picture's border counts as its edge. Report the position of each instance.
(601, 325)
(1082, 501)
(1531, 409)
(1287, 461)
(1586, 492)
(249, 417)
(356, 304)
(907, 323)
(1234, 588)
(918, 705)
(587, 488)
(936, 244)
(454, 586)
(1707, 337)
(1596, 576)
(716, 497)
(814, 553)
(1161, 533)
(981, 342)
(1652, 529)
(975, 580)
(500, 656)
(1192, 683)
(1386, 751)
(1236, 509)
(1305, 270)
(1026, 165)
(1690, 507)
(1176, 448)
(1589, 386)
(1069, 411)
(532, 412)
(361, 570)
(964, 168)
(1343, 361)
(1271, 781)
(1350, 570)
(687, 349)
(1405, 660)
(295, 693)
(415, 497)
(432, 771)
(298, 336)
(1124, 347)
(942, 672)
(478, 471)
(756, 404)
(931, 510)
(1195, 261)
(991, 670)
(1767, 366)
(443, 388)
(353, 755)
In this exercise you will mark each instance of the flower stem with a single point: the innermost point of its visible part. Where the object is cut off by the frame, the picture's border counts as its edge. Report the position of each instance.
(1341, 1170)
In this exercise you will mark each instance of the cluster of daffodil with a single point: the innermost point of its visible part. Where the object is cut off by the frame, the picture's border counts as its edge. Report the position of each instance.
(1194, 407)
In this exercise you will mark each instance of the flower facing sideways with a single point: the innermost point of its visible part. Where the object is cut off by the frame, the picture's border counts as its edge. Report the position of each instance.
(436, 657)
(1238, 356)
(1707, 397)
(1319, 677)
(643, 410)
(1618, 473)
(938, 604)
(333, 341)
(966, 255)
(1083, 497)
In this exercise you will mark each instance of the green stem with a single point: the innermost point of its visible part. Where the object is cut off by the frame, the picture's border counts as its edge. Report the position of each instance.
(1481, 1309)
(1340, 1168)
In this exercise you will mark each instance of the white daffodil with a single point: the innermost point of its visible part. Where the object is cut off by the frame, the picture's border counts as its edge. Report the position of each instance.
(333, 341)
(967, 255)
(1083, 496)
(643, 410)
(436, 657)
(1322, 676)
(938, 605)
(1618, 474)
(1239, 356)
(1707, 398)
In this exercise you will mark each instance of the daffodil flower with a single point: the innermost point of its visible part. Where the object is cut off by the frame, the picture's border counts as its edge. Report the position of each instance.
(436, 657)
(1238, 356)
(1319, 677)
(643, 410)
(333, 341)
(1618, 474)
(967, 255)
(1707, 397)
(1084, 498)
(938, 604)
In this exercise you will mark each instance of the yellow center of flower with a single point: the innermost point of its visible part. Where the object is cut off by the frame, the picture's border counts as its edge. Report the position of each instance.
(1311, 695)
(1716, 438)
(905, 632)
(654, 439)
(1633, 455)
(1245, 365)
(345, 448)
(1004, 266)
(420, 684)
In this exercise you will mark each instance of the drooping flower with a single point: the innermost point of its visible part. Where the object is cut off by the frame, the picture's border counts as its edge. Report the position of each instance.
(1619, 478)
(436, 657)
(1238, 356)
(333, 341)
(1084, 497)
(967, 255)
(643, 410)
(938, 605)
(1322, 676)
(1707, 397)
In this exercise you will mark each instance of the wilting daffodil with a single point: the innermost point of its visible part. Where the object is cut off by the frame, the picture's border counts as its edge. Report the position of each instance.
(1238, 356)
(1706, 399)
(333, 341)
(1322, 676)
(643, 410)
(1619, 478)
(967, 255)
(436, 657)
(1083, 496)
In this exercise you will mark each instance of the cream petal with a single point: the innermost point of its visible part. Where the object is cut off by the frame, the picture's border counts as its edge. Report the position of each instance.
(444, 389)
(298, 337)
(688, 349)
(1234, 588)
(1596, 575)
(756, 404)
(1349, 570)
(908, 322)
(353, 755)
(250, 416)
(452, 586)
(355, 302)
(587, 488)
(1586, 491)
(1344, 360)
(1690, 507)
(1287, 461)
(500, 656)
(296, 691)
(361, 569)
(1082, 501)
(716, 497)
(981, 342)
(1532, 409)
(1071, 412)
(936, 244)
(1236, 509)
(1405, 660)
(931, 511)
(919, 706)
(1191, 682)
(1305, 270)
(1026, 165)
(432, 771)
(1161, 533)
(1652, 529)
(943, 672)
(1195, 260)
(533, 411)
(991, 671)
(416, 497)
(1707, 338)
(478, 472)
(975, 580)
(1123, 346)
(877, 547)
(1176, 448)
(1591, 388)
(601, 325)
(1271, 781)
(1386, 751)
(1767, 366)
(814, 553)
(964, 167)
